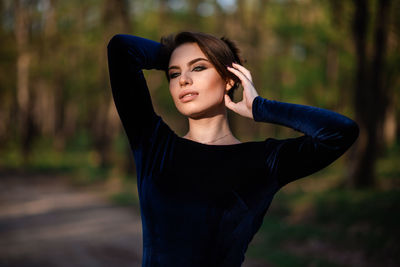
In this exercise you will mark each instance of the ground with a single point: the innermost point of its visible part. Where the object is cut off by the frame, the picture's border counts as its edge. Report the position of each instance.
(45, 221)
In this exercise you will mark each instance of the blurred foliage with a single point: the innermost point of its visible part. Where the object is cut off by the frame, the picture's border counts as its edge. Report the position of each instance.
(298, 51)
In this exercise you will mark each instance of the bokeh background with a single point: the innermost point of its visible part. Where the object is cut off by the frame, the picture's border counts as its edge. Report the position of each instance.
(63, 150)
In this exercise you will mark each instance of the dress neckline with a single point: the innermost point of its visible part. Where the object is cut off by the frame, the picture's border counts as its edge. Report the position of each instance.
(188, 141)
(210, 145)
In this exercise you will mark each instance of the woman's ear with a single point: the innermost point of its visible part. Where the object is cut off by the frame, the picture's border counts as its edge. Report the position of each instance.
(229, 84)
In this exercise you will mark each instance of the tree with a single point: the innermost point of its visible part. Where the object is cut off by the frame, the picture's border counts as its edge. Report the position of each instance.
(115, 17)
(371, 97)
(24, 97)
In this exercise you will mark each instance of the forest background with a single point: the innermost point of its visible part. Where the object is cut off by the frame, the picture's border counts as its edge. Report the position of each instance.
(57, 114)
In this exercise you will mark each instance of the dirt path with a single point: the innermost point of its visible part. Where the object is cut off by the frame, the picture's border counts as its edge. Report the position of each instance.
(44, 221)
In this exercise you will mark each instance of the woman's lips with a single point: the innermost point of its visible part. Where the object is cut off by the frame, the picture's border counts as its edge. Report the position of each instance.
(189, 97)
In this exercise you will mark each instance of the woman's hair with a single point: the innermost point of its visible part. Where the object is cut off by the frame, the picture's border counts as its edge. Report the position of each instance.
(221, 52)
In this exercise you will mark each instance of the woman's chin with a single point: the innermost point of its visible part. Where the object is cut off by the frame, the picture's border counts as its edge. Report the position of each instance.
(201, 113)
(193, 114)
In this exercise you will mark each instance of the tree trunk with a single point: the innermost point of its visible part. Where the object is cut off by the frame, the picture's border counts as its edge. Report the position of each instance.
(46, 88)
(370, 97)
(380, 87)
(25, 123)
(115, 19)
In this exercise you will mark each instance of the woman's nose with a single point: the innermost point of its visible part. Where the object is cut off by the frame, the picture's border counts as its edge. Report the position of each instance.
(185, 79)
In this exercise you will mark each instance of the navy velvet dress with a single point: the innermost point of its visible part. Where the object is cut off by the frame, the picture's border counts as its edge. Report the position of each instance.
(202, 204)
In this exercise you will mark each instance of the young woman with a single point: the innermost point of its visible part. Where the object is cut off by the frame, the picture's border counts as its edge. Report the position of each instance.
(203, 196)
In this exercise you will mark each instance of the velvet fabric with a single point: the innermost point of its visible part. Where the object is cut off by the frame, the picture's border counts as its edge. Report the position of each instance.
(202, 204)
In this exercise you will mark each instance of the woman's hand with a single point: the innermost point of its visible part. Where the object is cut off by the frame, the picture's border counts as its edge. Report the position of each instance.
(243, 107)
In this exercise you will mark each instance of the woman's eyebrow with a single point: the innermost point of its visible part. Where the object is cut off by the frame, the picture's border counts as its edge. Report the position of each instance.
(189, 63)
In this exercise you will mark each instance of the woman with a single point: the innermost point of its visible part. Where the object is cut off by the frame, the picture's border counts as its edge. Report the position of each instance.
(203, 196)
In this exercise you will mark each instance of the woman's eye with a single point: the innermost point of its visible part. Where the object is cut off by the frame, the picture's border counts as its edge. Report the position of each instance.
(173, 75)
(176, 74)
(199, 68)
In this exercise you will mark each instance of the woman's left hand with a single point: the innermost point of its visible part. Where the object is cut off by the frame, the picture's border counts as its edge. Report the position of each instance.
(243, 107)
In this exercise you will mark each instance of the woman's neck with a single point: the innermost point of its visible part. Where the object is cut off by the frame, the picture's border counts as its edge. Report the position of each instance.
(211, 130)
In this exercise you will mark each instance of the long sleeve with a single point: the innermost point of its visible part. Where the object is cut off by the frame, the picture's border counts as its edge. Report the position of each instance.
(327, 135)
(127, 56)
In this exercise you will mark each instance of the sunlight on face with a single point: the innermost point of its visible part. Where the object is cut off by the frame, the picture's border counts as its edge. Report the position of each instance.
(195, 85)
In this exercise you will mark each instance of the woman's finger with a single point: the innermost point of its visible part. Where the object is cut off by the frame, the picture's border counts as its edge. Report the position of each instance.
(240, 75)
(249, 92)
(245, 71)
(229, 103)
(239, 107)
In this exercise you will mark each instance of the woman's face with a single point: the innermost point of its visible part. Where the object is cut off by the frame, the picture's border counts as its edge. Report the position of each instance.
(195, 85)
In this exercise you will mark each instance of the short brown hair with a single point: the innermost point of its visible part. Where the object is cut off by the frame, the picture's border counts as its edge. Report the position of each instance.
(220, 51)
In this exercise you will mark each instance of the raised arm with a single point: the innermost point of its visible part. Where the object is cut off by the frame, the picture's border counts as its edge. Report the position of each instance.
(127, 56)
(327, 135)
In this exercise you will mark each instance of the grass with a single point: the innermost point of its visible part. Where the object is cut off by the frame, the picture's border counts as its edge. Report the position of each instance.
(78, 160)
(309, 224)
(127, 195)
(340, 222)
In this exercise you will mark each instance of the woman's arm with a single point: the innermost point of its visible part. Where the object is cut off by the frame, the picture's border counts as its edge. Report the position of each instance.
(327, 135)
(127, 56)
